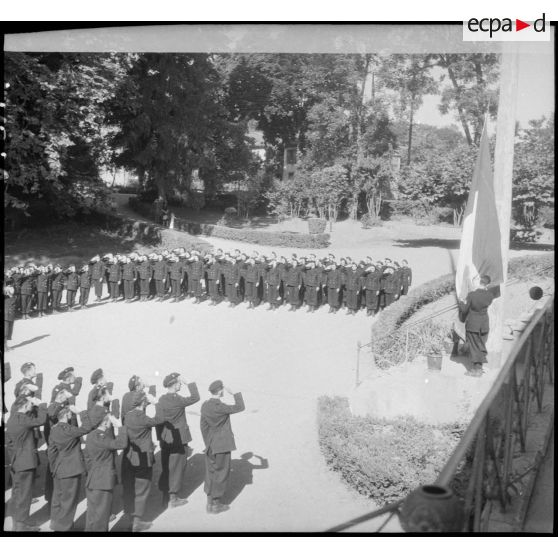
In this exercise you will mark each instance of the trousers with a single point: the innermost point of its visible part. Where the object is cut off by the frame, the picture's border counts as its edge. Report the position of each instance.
(64, 503)
(56, 299)
(217, 472)
(99, 504)
(113, 289)
(70, 298)
(42, 301)
(98, 286)
(173, 463)
(84, 295)
(128, 288)
(22, 494)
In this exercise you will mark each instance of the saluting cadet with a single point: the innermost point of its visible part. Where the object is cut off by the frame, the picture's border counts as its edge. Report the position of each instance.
(57, 288)
(174, 435)
(261, 267)
(371, 283)
(31, 383)
(293, 281)
(406, 277)
(145, 272)
(97, 268)
(129, 274)
(390, 286)
(213, 278)
(312, 281)
(98, 380)
(21, 444)
(273, 282)
(215, 425)
(251, 273)
(195, 276)
(72, 282)
(352, 286)
(139, 452)
(176, 274)
(232, 278)
(27, 289)
(70, 383)
(333, 283)
(100, 456)
(67, 465)
(84, 285)
(160, 273)
(42, 291)
(10, 303)
(114, 278)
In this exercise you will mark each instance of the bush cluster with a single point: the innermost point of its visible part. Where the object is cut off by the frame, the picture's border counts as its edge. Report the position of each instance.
(382, 459)
(369, 220)
(316, 225)
(265, 238)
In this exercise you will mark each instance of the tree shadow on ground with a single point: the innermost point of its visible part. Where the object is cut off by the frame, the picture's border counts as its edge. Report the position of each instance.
(29, 341)
(447, 243)
(242, 475)
(539, 247)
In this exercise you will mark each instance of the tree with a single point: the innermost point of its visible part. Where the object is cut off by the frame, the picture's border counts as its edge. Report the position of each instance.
(533, 174)
(472, 91)
(328, 188)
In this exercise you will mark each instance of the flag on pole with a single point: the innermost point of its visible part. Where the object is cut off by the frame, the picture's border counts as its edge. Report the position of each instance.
(480, 252)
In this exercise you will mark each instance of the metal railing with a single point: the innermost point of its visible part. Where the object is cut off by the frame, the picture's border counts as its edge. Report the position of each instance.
(481, 468)
(407, 328)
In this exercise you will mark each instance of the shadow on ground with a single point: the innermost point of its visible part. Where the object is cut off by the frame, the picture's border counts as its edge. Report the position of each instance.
(29, 341)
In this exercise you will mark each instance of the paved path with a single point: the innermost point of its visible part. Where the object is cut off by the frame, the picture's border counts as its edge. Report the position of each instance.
(540, 515)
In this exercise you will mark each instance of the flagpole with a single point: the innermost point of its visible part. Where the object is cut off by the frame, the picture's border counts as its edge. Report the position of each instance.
(503, 171)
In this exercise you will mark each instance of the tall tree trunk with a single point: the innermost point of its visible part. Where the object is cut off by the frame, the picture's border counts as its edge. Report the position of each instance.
(409, 148)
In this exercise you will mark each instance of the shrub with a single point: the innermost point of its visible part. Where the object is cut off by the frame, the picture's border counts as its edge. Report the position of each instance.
(229, 216)
(545, 217)
(316, 225)
(369, 220)
(524, 234)
(382, 459)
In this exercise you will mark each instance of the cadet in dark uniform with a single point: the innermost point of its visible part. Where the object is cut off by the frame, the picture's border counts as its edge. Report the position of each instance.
(129, 274)
(352, 286)
(139, 453)
(97, 268)
(70, 383)
(57, 288)
(21, 444)
(145, 272)
(27, 290)
(213, 270)
(389, 286)
(218, 438)
(273, 282)
(84, 285)
(176, 274)
(251, 278)
(477, 326)
(67, 465)
(333, 283)
(312, 280)
(232, 278)
(100, 456)
(371, 282)
(42, 291)
(72, 281)
(160, 273)
(195, 277)
(30, 377)
(293, 283)
(406, 277)
(174, 436)
(98, 380)
(10, 303)
(114, 278)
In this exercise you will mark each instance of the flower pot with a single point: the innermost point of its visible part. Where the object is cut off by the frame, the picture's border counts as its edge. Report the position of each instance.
(434, 362)
(432, 509)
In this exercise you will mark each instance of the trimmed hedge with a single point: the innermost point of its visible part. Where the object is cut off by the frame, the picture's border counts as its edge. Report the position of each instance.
(266, 238)
(384, 460)
(389, 344)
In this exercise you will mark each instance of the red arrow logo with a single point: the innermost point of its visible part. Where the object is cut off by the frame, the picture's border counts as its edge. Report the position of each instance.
(519, 25)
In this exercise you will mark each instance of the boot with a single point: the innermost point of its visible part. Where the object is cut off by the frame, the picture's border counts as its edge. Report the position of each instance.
(175, 501)
(140, 525)
(209, 505)
(217, 507)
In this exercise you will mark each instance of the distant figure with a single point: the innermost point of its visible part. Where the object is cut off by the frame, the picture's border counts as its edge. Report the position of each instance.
(165, 217)
(171, 224)
(474, 312)
(218, 438)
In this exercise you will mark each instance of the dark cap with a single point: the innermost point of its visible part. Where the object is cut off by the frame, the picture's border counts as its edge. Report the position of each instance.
(62, 411)
(133, 382)
(171, 379)
(139, 398)
(20, 401)
(97, 375)
(65, 373)
(215, 387)
(26, 366)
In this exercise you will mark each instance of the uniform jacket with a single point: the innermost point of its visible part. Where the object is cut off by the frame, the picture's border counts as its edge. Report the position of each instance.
(28, 285)
(24, 381)
(126, 406)
(333, 279)
(100, 453)
(352, 282)
(292, 276)
(58, 281)
(389, 283)
(476, 310)
(42, 283)
(195, 273)
(85, 279)
(313, 277)
(140, 447)
(406, 275)
(215, 424)
(213, 271)
(232, 273)
(274, 275)
(176, 270)
(97, 270)
(10, 303)
(72, 281)
(21, 441)
(251, 274)
(74, 389)
(171, 406)
(64, 450)
(129, 272)
(160, 270)
(372, 281)
(114, 272)
(145, 270)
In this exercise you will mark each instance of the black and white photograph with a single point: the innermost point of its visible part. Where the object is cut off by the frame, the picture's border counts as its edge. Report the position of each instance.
(279, 278)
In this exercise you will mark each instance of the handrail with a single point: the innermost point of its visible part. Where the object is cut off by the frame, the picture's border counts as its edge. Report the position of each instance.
(470, 433)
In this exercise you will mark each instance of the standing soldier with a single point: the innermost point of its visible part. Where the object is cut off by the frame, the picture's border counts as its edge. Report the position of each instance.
(174, 436)
(70, 383)
(72, 281)
(176, 274)
(260, 264)
(406, 277)
(273, 282)
(195, 276)
(114, 278)
(218, 438)
(27, 289)
(10, 303)
(213, 270)
(84, 285)
(57, 288)
(28, 413)
(251, 276)
(17, 277)
(100, 455)
(352, 286)
(160, 273)
(292, 282)
(371, 283)
(98, 380)
(97, 268)
(31, 380)
(389, 285)
(312, 284)
(42, 291)
(232, 278)
(145, 273)
(333, 283)
(129, 274)
(140, 454)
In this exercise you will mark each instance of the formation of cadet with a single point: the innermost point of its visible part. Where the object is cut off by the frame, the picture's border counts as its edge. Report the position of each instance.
(110, 426)
(217, 276)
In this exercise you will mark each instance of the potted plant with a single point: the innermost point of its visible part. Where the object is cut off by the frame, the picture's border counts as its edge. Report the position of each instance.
(432, 336)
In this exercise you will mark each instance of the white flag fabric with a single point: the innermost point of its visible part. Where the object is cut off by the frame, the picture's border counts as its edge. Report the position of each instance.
(480, 252)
